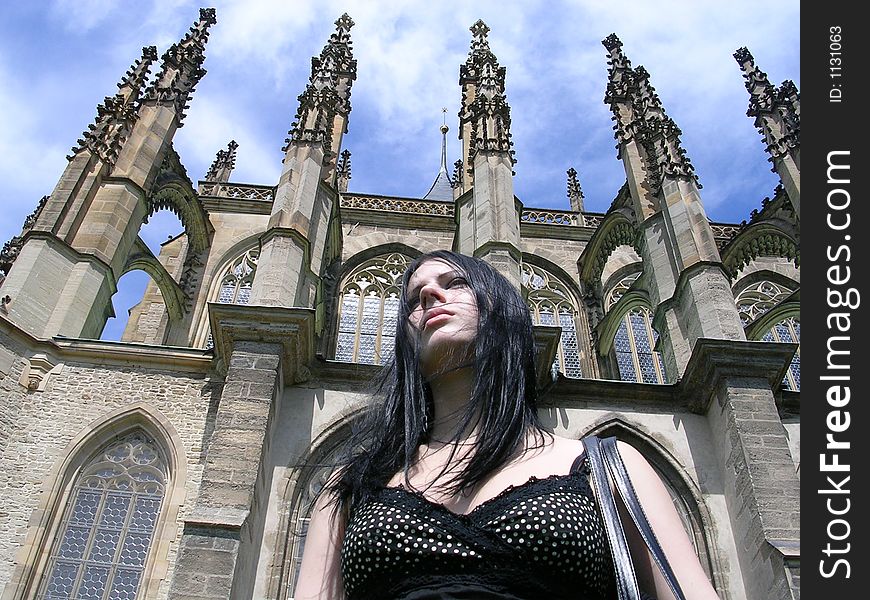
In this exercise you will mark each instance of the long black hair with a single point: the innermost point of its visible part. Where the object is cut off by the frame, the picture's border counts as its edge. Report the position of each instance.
(503, 402)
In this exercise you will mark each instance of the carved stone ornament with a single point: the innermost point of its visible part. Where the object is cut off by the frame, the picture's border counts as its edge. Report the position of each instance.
(36, 373)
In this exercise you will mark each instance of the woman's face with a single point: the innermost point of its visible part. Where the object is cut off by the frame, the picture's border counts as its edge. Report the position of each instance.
(443, 315)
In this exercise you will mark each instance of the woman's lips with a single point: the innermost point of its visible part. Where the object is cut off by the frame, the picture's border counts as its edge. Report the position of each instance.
(437, 316)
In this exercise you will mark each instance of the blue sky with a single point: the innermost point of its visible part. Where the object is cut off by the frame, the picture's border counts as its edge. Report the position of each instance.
(58, 60)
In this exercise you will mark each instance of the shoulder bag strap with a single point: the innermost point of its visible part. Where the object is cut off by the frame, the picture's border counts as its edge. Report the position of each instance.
(626, 581)
(619, 474)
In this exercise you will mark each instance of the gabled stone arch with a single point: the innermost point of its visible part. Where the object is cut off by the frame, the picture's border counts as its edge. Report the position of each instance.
(44, 525)
(141, 258)
(172, 190)
(610, 323)
(616, 229)
(687, 496)
(765, 238)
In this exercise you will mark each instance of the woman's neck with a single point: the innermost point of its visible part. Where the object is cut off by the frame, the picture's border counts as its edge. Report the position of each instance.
(451, 394)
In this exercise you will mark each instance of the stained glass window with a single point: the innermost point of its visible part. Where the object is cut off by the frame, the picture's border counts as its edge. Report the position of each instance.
(789, 331)
(550, 303)
(369, 306)
(236, 282)
(635, 339)
(108, 523)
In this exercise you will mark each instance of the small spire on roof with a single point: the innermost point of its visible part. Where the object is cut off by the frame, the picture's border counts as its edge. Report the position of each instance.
(441, 188)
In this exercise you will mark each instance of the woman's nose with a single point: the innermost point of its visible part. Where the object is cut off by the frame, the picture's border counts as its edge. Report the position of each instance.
(429, 294)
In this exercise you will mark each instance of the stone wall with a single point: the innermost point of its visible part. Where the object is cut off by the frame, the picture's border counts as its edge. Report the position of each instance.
(37, 428)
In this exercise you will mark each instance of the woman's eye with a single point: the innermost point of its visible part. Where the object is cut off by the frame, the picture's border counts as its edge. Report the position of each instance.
(457, 281)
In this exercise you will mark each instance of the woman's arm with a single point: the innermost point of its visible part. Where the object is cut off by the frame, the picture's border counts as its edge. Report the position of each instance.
(320, 572)
(668, 528)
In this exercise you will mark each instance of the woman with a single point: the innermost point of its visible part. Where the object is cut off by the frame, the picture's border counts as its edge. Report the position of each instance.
(455, 491)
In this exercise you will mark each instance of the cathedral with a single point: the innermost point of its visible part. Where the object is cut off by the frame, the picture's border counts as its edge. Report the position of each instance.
(181, 462)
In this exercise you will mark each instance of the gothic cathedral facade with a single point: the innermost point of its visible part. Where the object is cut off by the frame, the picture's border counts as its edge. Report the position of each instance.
(182, 461)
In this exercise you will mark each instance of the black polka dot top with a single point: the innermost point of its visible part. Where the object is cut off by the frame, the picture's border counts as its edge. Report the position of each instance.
(543, 539)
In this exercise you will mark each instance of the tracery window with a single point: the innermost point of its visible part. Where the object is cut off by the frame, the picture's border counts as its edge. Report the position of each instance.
(369, 307)
(550, 303)
(761, 297)
(788, 331)
(757, 299)
(238, 278)
(236, 282)
(635, 339)
(108, 523)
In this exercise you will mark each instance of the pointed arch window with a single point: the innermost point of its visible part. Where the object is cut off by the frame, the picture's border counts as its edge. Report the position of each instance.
(236, 282)
(369, 308)
(635, 339)
(108, 523)
(550, 303)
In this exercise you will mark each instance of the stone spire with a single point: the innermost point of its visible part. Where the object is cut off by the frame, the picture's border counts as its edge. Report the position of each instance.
(325, 104)
(117, 114)
(485, 114)
(223, 165)
(575, 194)
(182, 68)
(442, 187)
(342, 171)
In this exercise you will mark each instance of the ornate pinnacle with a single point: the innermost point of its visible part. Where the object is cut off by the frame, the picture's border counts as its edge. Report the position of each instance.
(456, 178)
(182, 66)
(136, 76)
(12, 248)
(117, 114)
(776, 111)
(575, 194)
(761, 91)
(223, 165)
(342, 170)
(328, 92)
(639, 115)
(484, 104)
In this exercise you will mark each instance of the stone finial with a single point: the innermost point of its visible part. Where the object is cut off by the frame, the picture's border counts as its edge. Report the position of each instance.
(484, 104)
(182, 68)
(133, 82)
(761, 91)
(12, 248)
(342, 170)
(328, 92)
(223, 165)
(575, 194)
(117, 114)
